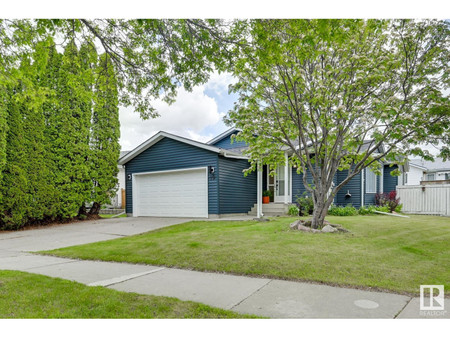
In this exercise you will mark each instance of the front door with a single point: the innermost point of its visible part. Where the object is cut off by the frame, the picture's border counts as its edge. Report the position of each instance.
(280, 190)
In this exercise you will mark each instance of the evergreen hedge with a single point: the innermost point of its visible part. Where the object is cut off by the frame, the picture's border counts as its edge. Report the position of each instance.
(59, 136)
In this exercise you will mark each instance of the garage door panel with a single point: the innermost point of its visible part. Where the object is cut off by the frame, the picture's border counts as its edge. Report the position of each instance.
(183, 193)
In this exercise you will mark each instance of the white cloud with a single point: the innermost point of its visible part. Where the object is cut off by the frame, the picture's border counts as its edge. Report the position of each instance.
(219, 83)
(188, 116)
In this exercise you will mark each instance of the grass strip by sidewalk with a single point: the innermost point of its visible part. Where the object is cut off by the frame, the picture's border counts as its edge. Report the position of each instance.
(26, 295)
(380, 252)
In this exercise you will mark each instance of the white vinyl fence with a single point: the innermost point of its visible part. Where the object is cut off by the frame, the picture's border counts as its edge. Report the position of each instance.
(425, 199)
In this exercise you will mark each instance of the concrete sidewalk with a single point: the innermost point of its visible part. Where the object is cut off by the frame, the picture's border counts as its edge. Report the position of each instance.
(259, 296)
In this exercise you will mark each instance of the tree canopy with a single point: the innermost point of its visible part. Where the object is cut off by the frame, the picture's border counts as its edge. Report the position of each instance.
(152, 58)
(334, 91)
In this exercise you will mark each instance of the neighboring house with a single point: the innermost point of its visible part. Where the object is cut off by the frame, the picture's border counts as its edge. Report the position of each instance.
(414, 175)
(426, 172)
(169, 175)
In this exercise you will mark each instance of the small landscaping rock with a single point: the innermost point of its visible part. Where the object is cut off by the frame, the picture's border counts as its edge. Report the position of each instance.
(329, 228)
(306, 227)
(294, 225)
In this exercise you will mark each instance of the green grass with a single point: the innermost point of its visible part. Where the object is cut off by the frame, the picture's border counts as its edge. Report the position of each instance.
(26, 295)
(381, 252)
(111, 215)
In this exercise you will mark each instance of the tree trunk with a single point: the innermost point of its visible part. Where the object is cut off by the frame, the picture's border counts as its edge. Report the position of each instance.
(82, 210)
(321, 204)
(95, 209)
(318, 216)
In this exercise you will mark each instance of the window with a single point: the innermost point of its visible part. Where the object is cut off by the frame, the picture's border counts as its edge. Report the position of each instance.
(430, 177)
(371, 181)
(447, 176)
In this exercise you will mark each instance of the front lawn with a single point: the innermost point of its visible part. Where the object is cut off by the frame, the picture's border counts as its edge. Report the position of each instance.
(26, 295)
(384, 252)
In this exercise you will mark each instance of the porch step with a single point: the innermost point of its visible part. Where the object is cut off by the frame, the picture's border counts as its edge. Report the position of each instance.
(271, 209)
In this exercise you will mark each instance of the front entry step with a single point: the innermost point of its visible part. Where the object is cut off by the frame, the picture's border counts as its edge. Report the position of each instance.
(271, 209)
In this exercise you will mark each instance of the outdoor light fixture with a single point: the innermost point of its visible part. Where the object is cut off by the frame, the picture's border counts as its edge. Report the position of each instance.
(211, 169)
(348, 195)
(129, 177)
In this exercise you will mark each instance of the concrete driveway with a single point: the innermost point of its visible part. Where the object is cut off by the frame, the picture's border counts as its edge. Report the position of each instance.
(80, 233)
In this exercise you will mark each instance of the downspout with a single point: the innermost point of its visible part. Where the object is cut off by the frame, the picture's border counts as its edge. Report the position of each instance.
(362, 187)
(259, 213)
(286, 178)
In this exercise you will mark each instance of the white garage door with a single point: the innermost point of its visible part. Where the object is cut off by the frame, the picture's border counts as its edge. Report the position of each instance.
(182, 193)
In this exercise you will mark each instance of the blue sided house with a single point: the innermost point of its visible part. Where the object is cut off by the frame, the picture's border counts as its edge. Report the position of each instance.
(172, 176)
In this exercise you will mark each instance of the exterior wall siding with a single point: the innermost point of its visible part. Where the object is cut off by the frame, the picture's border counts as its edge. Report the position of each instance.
(237, 193)
(298, 187)
(353, 186)
(169, 154)
(390, 182)
(225, 143)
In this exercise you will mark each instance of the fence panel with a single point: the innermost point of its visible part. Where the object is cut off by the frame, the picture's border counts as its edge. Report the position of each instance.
(425, 199)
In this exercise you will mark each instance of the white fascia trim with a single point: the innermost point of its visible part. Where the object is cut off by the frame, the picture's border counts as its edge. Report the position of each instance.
(170, 171)
(223, 135)
(160, 135)
(235, 156)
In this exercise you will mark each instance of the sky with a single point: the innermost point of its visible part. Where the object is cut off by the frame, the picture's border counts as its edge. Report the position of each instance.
(197, 115)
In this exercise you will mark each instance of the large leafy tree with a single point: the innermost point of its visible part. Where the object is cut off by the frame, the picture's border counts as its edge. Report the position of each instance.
(334, 91)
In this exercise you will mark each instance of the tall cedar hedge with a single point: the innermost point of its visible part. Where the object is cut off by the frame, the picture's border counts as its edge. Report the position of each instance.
(59, 136)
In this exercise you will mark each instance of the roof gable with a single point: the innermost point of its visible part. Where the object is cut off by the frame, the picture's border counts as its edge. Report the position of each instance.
(220, 137)
(159, 136)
